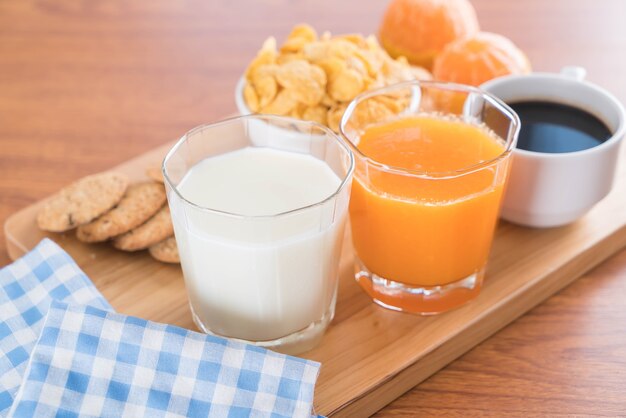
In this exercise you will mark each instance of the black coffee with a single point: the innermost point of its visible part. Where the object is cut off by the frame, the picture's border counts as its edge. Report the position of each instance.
(554, 128)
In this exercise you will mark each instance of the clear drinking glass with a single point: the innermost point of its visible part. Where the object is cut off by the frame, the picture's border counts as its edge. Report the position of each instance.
(422, 238)
(270, 280)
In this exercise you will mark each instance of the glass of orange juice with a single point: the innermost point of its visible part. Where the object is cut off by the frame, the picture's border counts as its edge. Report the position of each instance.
(432, 161)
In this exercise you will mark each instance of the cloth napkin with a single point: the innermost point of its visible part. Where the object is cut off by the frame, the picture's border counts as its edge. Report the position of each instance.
(27, 288)
(64, 352)
(93, 363)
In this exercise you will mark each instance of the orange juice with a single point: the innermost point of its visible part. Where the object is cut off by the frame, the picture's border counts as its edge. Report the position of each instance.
(425, 200)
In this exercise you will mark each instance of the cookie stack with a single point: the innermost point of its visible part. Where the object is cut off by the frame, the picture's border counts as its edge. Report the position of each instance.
(104, 207)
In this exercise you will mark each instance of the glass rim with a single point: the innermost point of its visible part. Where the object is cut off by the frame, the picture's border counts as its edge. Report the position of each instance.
(259, 116)
(500, 105)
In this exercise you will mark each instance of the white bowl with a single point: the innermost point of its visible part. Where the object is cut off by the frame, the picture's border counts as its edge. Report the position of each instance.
(263, 132)
(240, 102)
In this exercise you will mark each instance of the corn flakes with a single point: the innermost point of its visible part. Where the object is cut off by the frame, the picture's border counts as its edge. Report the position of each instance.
(300, 36)
(267, 55)
(316, 114)
(314, 77)
(283, 103)
(306, 81)
(264, 82)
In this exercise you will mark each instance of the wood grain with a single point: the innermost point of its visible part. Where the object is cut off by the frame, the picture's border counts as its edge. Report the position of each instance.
(567, 357)
(85, 85)
(369, 355)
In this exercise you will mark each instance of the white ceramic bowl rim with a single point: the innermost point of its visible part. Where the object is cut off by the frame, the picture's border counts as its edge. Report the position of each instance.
(617, 135)
(242, 107)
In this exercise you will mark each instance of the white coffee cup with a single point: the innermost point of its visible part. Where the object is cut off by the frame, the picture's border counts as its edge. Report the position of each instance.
(553, 189)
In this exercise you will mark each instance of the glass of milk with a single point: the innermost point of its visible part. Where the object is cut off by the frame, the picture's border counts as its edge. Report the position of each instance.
(259, 205)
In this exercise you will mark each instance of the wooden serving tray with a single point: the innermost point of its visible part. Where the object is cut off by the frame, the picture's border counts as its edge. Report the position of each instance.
(369, 355)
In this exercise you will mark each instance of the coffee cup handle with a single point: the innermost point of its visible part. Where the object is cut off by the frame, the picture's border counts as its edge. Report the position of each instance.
(574, 72)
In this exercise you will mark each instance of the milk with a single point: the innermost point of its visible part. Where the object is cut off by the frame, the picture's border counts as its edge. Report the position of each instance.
(251, 274)
(259, 182)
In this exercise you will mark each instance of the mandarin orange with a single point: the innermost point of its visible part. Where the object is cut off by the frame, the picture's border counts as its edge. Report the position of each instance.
(477, 59)
(419, 29)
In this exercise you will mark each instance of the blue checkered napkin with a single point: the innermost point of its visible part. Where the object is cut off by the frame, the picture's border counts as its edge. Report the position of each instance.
(27, 287)
(92, 363)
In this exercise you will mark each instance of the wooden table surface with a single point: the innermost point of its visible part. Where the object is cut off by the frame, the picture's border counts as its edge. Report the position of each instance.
(87, 84)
